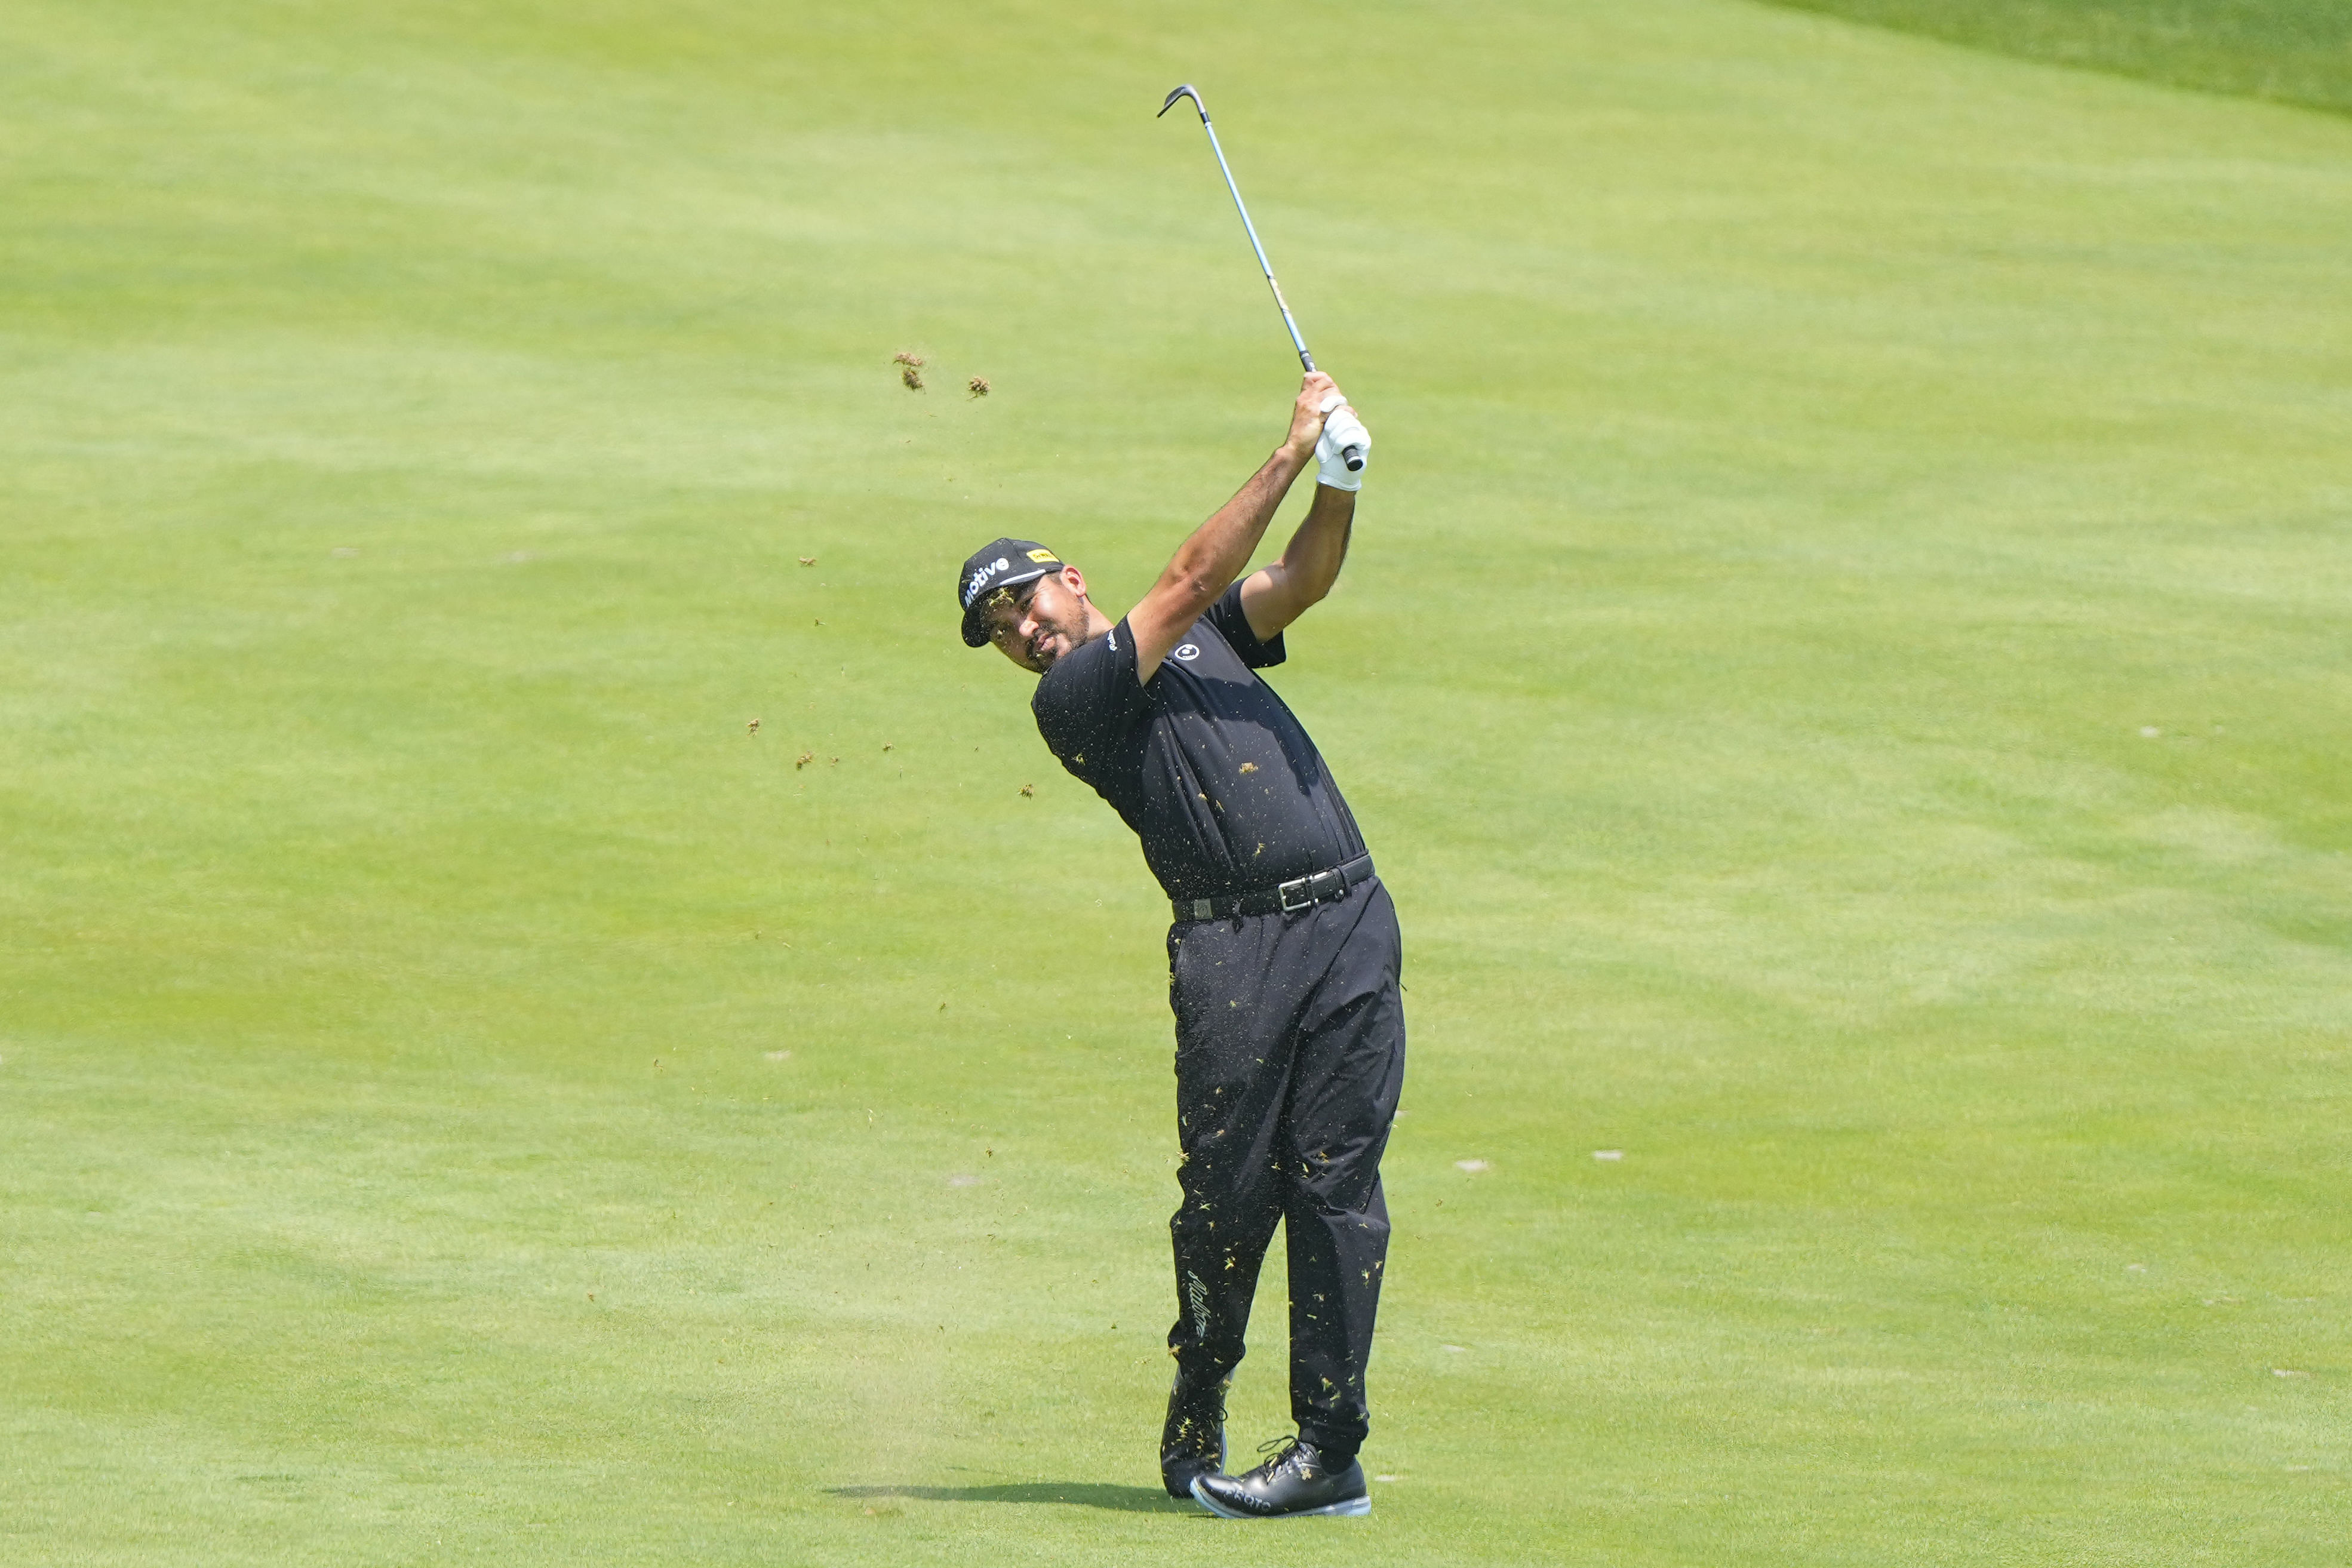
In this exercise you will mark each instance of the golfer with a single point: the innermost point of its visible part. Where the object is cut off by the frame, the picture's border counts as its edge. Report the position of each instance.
(1283, 963)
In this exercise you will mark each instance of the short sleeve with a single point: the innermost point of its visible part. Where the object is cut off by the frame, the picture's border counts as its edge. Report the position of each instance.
(1234, 625)
(1090, 698)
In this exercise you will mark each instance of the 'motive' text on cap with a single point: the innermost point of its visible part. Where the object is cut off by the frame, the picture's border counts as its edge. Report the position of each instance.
(1007, 564)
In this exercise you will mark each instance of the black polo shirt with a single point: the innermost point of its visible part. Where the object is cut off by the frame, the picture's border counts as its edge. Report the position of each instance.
(1204, 762)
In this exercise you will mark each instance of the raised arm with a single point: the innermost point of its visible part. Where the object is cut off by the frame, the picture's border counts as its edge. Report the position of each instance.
(1276, 594)
(1206, 564)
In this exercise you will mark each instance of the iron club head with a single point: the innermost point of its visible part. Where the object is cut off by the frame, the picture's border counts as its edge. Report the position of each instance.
(1187, 90)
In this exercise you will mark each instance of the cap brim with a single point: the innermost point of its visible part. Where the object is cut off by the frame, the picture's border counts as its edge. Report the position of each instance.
(975, 615)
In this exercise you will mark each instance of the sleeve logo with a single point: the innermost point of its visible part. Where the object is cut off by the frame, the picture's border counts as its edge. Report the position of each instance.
(1187, 652)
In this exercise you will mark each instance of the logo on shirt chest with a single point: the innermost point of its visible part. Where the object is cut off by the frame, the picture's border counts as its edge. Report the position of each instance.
(1187, 652)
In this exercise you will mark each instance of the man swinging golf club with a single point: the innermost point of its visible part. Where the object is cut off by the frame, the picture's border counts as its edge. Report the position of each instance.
(1283, 962)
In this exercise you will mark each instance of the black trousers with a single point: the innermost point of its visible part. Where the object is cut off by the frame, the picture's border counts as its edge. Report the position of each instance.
(1289, 1058)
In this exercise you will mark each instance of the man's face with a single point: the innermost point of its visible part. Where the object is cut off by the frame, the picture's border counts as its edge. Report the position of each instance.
(1037, 623)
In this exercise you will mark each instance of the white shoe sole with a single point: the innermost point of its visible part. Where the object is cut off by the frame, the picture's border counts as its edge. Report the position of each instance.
(1353, 1507)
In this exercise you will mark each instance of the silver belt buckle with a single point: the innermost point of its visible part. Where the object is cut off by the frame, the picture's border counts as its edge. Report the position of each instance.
(1200, 909)
(1304, 885)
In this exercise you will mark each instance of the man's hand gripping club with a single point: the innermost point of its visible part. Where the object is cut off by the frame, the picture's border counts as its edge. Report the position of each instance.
(1208, 562)
(1345, 446)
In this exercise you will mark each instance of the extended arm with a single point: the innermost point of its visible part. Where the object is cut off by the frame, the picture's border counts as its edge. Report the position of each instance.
(1206, 564)
(1276, 595)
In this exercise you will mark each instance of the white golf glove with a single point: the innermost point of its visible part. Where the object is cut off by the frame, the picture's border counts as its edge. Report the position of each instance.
(1341, 430)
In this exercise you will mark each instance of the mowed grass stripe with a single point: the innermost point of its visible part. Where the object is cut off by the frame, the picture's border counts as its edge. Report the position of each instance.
(2292, 51)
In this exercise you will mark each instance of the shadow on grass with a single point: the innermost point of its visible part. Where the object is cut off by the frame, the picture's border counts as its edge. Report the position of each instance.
(1075, 1494)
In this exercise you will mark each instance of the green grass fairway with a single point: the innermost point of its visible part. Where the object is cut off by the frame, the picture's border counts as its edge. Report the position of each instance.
(2294, 51)
(1844, 670)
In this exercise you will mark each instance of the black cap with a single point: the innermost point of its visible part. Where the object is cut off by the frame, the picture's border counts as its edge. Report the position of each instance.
(1007, 564)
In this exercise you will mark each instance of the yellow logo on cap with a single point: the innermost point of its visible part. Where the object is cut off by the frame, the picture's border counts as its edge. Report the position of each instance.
(1042, 555)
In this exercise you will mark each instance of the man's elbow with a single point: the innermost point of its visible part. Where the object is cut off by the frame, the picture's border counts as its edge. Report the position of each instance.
(1192, 585)
(1309, 590)
(1291, 593)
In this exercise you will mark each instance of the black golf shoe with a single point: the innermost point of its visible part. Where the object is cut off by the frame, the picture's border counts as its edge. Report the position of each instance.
(1193, 1442)
(1296, 1483)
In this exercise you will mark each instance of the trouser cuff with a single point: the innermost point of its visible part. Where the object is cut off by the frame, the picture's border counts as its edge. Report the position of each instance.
(1337, 1447)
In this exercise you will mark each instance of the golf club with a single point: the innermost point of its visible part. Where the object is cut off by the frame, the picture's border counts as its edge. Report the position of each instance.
(1352, 456)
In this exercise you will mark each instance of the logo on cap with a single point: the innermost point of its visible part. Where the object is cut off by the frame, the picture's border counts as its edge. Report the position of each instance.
(980, 578)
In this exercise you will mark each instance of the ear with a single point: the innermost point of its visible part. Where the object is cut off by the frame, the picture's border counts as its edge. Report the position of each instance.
(1074, 581)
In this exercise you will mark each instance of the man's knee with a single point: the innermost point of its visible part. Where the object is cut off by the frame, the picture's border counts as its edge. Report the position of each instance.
(1339, 1177)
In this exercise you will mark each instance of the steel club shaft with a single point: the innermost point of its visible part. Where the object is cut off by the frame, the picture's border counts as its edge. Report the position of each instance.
(1354, 456)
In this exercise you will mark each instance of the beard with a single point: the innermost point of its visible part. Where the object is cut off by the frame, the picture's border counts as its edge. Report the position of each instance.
(1063, 619)
(1047, 646)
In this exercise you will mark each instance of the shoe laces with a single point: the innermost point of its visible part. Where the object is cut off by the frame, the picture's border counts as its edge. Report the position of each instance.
(1280, 1449)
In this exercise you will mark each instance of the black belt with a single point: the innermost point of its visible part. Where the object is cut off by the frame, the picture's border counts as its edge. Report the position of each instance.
(1284, 898)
